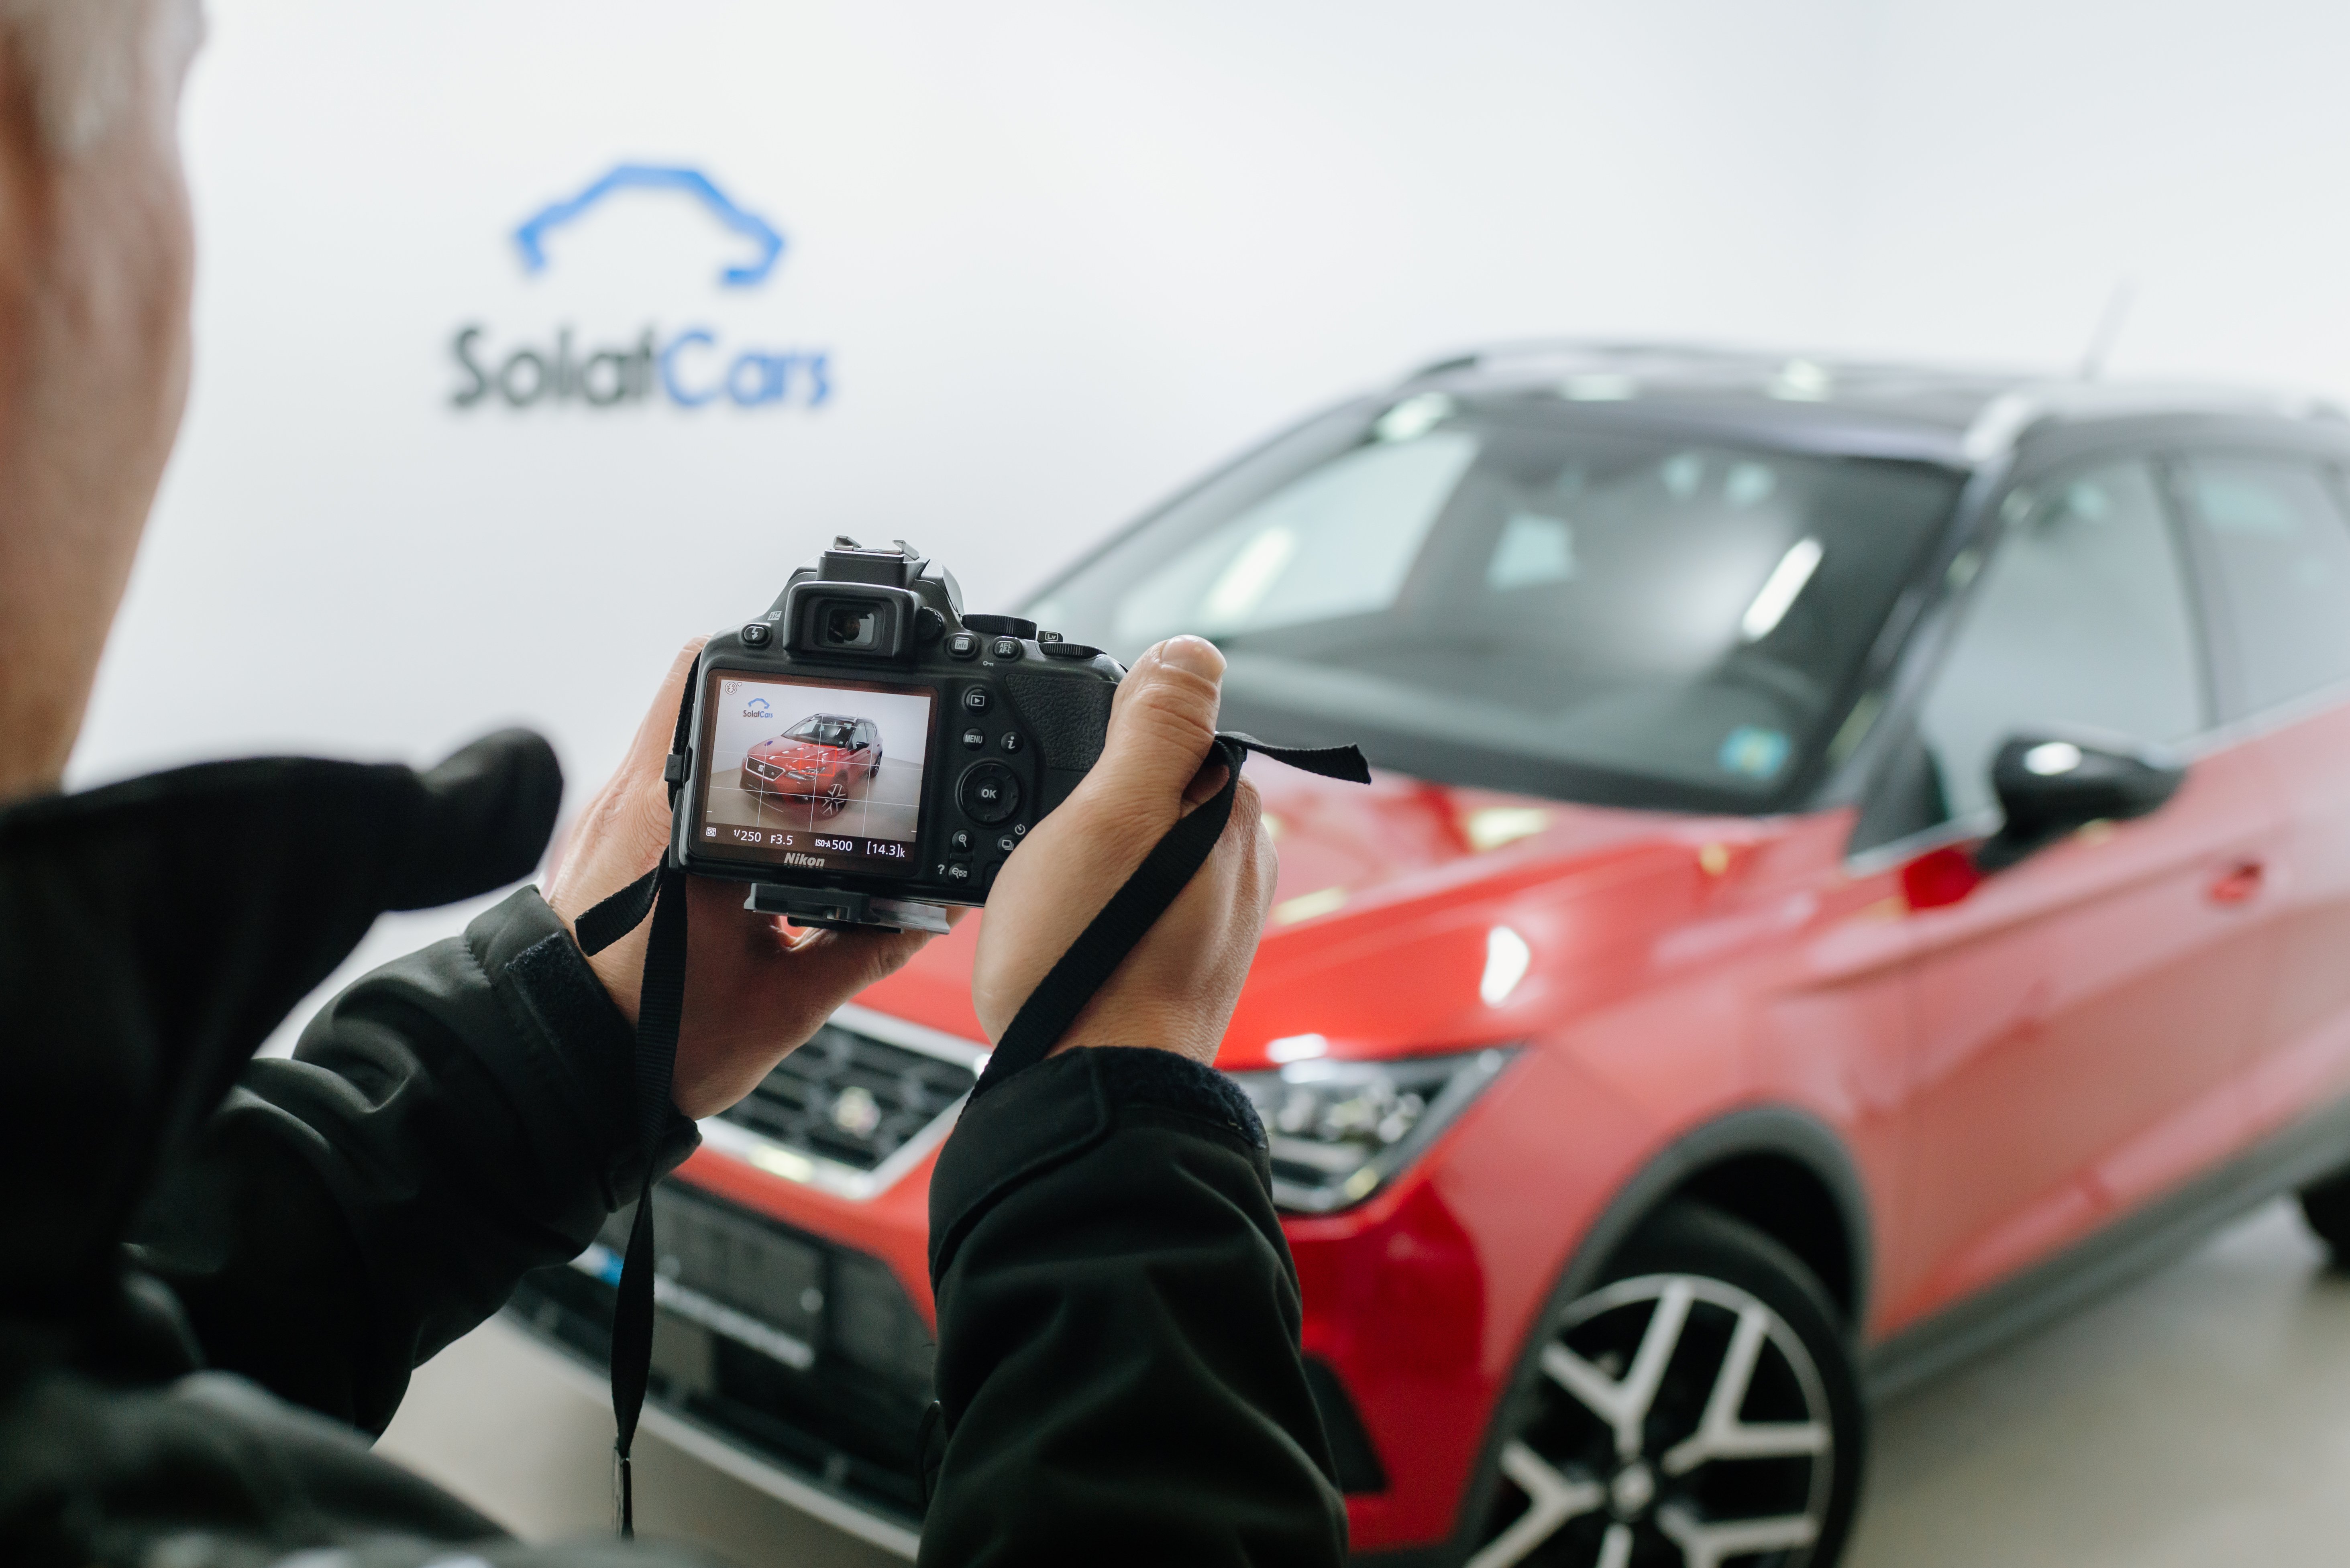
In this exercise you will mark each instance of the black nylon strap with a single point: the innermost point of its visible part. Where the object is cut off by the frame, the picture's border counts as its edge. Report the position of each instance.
(1043, 1019)
(660, 1007)
(1343, 762)
(1131, 911)
(618, 915)
(632, 1358)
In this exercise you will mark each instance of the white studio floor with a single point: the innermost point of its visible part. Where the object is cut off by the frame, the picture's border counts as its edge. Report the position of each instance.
(2201, 1416)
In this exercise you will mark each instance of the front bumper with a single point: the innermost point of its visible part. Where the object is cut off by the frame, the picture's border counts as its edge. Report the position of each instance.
(831, 1398)
(1416, 1301)
(816, 1410)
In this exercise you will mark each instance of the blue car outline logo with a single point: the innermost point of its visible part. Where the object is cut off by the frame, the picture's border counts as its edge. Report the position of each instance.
(755, 709)
(531, 237)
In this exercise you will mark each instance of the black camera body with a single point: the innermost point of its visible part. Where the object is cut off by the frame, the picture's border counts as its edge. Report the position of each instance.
(864, 751)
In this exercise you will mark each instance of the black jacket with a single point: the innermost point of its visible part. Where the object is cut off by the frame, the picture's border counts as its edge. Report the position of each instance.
(224, 1269)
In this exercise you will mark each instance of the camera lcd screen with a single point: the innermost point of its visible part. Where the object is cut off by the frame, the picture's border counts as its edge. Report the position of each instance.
(813, 775)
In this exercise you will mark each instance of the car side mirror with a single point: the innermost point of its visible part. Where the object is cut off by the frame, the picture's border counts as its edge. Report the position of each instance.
(2050, 784)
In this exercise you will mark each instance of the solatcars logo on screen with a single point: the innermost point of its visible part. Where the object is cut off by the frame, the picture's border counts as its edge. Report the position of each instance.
(689, 366)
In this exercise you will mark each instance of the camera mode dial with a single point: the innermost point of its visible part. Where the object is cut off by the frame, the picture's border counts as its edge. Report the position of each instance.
(1001, 625)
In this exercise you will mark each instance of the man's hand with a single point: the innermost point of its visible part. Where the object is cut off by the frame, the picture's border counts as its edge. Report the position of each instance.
(1177, 989)
(754, 988)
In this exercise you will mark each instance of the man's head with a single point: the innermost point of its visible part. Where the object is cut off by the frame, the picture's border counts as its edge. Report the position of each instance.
(95, 266)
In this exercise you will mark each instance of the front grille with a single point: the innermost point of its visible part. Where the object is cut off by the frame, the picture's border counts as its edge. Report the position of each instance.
(854, 1098)
(808, 1353)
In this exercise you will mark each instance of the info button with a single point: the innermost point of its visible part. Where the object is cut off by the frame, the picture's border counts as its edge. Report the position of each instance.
(989, 793)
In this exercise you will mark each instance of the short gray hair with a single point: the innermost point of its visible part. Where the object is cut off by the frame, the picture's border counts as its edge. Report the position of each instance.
(84, 58)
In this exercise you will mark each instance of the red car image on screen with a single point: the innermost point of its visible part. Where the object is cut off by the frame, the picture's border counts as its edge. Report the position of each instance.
(1857, 862)
(823, 757)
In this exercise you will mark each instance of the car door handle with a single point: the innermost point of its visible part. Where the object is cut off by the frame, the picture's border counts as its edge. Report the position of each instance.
(2239, 884)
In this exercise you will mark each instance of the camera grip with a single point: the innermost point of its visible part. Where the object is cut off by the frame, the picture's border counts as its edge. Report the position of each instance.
(1068, 715)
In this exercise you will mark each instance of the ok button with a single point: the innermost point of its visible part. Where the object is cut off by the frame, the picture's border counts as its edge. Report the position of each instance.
(989, 793)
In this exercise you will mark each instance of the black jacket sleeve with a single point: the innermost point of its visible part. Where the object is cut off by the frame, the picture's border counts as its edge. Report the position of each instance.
(453, 1119)
(1119, 1372)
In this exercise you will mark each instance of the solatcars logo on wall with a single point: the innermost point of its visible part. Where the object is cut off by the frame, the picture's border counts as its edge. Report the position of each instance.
(588, 365)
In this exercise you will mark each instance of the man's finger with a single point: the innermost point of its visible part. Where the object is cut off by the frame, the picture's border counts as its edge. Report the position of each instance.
(650, 746)
(624, 828)
(1162, 723)
(836, 965)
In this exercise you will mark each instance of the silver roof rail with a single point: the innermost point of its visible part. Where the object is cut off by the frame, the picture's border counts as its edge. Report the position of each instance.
(1612, 351)
(2002, 421)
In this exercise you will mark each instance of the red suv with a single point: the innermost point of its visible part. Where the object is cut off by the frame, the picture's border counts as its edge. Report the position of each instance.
(821, 758)
(1861, 860)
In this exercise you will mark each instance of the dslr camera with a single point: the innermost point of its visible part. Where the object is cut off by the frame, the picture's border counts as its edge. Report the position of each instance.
(865, 751)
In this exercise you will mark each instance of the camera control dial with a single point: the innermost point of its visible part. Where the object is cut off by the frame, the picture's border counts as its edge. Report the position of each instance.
(989, 793)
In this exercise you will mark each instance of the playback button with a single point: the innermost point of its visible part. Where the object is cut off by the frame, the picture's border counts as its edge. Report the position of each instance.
(989, 793)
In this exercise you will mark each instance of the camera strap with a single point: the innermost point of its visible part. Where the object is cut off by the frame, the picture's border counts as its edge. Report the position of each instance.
(1131, 911)
(660, 1006)
(1038, 1026)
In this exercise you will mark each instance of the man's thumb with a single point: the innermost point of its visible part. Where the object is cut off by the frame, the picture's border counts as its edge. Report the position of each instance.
(1163, 722)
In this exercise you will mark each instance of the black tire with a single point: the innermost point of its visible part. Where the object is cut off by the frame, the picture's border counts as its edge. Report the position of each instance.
(2326, 1204)
(1717, 1289)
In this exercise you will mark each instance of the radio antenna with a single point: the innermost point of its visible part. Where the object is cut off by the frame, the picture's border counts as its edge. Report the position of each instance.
(2109, 328)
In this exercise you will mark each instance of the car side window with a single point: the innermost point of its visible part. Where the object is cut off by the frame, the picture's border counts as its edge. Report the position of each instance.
(2081, 621)
(2281, 550)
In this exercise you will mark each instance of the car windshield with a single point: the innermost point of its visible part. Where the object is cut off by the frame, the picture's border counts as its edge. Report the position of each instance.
(823, 729)
(1502, 594)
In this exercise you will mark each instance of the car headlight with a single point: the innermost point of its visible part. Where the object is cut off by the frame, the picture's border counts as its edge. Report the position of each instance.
(1339, 1129)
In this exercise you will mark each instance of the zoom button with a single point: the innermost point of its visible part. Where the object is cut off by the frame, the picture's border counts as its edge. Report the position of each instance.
(988, 792)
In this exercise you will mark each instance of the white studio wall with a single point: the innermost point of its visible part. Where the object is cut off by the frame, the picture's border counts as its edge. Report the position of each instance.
(2020, 162)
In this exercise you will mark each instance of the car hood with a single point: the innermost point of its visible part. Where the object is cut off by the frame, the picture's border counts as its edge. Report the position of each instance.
(1382, 935)
(798, 754)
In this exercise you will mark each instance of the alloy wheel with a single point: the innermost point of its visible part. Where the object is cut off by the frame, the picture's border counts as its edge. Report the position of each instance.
(835, 796)
(1677, 1420)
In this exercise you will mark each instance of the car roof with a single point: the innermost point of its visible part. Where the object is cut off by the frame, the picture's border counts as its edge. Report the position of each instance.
(1959, 417)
